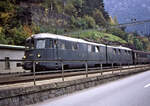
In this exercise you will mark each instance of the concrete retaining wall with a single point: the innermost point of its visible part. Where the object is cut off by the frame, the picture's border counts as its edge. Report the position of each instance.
(31, 95)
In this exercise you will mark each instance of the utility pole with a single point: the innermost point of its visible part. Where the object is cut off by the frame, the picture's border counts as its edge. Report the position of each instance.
(145, 29)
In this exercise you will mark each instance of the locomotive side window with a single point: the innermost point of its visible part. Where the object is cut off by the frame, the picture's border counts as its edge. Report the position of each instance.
(115, 51)
(119, 51)
(93, 48)
(61, 45)
(55, 44)
(50, 44)
(97, 49)
(68, 45)
(89, 48)
(148, 56)
(74, 46)
(135, 55)
(126, 52)
(40, 44)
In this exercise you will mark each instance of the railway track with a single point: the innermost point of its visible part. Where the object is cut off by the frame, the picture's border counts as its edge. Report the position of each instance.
(7, 75)
(28, 77)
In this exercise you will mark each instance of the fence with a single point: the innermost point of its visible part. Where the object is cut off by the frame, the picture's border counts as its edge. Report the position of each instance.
(99, 69)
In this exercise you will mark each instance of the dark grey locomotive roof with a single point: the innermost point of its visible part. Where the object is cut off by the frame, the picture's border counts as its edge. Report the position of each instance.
(54, 36)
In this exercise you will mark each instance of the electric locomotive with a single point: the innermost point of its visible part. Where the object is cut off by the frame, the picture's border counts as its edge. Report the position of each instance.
(45, 46)
(49, 47)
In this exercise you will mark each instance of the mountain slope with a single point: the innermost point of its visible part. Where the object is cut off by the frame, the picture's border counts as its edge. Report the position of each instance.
(125, 10)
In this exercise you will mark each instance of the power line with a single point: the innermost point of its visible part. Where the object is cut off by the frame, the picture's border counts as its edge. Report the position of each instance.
(131, 23)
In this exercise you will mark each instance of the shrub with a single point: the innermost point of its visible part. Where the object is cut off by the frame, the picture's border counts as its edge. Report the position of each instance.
(99, 18)
(90, 21)
(117, 32)
(17, 36)
(70, 10)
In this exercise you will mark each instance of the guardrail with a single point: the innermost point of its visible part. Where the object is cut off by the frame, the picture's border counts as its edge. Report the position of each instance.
(85, 62)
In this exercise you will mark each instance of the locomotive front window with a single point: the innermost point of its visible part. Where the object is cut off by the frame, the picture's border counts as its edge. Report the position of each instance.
(29, 44)
(40, 44)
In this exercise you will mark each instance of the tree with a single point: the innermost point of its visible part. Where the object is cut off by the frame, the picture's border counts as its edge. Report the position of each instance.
(7, 12)
(12, 31)
(90, 21)
(99, 18)
(70, 10)
(138, 44)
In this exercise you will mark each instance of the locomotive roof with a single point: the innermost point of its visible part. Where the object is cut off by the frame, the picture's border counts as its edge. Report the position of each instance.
(120, 47)
(138, 51)
(54, 36)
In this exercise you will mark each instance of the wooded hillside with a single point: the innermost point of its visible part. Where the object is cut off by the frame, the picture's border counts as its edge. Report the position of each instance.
(20, 19)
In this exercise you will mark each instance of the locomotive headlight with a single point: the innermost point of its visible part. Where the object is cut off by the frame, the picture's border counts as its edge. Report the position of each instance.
(24, 57)
(38, 55)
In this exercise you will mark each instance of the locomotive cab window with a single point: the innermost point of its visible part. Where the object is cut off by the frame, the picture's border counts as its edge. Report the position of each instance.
(29, 44)
(135, 55)
(40, 44)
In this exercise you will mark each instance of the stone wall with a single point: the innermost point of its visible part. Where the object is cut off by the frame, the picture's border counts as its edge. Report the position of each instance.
(34, 94)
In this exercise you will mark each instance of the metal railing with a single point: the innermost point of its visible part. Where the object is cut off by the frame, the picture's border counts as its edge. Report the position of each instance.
(62, 63)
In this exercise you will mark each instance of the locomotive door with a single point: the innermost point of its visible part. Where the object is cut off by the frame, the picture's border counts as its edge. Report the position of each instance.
(55, 51)
(52, 52)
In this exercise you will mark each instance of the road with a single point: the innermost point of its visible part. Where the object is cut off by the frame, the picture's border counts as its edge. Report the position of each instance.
(130, 91)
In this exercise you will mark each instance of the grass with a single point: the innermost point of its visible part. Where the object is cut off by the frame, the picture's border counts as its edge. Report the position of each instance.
(96, 36)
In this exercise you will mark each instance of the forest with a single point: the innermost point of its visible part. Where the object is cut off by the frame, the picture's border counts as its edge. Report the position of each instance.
(86, 19)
